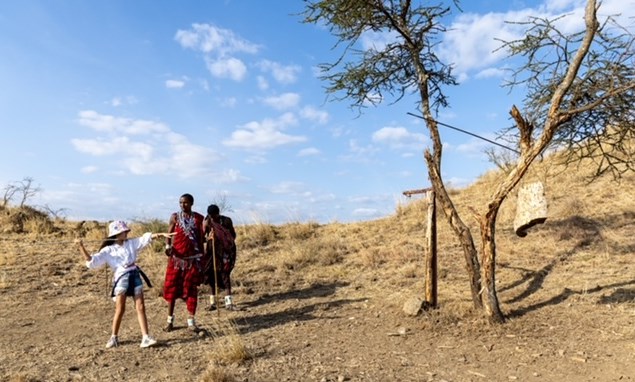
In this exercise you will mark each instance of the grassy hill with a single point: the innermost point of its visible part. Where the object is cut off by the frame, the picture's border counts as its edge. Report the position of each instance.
(324, 301)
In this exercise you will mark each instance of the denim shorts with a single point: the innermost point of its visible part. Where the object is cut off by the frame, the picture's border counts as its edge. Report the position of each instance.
(124, 284)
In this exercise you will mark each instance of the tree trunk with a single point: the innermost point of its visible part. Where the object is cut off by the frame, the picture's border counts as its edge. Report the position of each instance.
(488, 270)
(462, 231)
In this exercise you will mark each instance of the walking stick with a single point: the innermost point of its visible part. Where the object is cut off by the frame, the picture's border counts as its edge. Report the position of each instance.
(215, 274)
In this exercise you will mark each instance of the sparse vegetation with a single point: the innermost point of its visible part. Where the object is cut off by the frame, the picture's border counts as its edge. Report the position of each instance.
(579, 95)
(314, 292)
(230, 348)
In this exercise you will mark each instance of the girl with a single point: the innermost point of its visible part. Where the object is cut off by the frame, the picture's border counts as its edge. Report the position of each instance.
(120, 253)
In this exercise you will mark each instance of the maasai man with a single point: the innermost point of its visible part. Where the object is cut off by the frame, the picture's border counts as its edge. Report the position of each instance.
(219, 231)
(184, 272)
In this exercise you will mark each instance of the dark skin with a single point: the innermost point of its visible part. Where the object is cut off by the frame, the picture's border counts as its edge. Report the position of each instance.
(216, 217)
(224, 221)
(186, 207)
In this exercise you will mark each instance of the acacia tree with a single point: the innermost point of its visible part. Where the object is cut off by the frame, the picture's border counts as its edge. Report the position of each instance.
(407, 64)
(579, 96)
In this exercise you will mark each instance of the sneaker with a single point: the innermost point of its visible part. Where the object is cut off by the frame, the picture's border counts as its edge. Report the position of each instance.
(232, 307)
(147, 342)
(113, 342)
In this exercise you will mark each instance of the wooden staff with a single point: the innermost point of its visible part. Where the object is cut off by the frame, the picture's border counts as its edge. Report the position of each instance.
(215, 274)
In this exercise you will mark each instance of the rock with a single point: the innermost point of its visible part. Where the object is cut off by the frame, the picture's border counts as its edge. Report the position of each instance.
(413, 306)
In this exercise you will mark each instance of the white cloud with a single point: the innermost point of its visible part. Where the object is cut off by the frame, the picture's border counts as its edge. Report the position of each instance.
(212, 39)
(230, 67)
(313, 114)
(287, 187)
(262, 83)
(284, 74)
(119, 101)
(230, 176)
(229, 102)
(359, 153)
(309, 151)
(174, 84)
(373, 99)
(473, 148)
(456, 182)
(115, 146)
(363, 199)
(283, 101)
(77, 197)
(264, 135)
(255, 159)
(89, 169)
(490, 73)
(366, 212)
(472, 41)
(204, 84)
(220, 47)
(158, 150)
(399, 138)
(108, 123)
(377, 40)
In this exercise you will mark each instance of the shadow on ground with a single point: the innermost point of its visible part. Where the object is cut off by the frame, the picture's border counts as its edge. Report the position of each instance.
(316, 290)
(300, 314)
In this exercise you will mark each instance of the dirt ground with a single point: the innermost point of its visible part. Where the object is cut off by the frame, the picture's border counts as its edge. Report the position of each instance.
(571, 318)
(325, 302)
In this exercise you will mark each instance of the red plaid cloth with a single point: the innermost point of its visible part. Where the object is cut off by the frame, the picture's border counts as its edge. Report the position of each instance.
(182, 278)
(225, 250)
(184, 274)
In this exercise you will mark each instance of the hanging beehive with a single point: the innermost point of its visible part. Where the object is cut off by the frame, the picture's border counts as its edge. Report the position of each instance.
(531, 207)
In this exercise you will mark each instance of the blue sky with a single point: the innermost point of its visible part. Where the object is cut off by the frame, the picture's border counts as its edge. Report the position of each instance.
(116, 108)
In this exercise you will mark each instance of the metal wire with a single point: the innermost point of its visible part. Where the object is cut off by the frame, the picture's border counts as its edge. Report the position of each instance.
(468, 133)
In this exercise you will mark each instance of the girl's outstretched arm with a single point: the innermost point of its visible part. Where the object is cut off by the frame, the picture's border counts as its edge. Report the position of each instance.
(163, 235)
(82, 249)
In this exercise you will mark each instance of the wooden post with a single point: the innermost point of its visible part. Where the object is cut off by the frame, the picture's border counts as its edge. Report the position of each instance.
(431, 252)
(431, 297)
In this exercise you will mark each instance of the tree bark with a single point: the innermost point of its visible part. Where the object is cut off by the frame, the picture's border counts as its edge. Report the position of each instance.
(433, 162)
(488, 270)
(462, 231)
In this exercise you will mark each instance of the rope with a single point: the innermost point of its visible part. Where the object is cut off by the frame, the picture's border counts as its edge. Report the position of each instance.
(468, 133)
(41, 241)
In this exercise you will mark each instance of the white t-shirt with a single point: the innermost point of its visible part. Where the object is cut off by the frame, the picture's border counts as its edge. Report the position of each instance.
(120, 258)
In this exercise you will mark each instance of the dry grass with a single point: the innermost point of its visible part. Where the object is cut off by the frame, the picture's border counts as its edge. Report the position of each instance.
(229, 345)
(576, 259)
(257, 235)
(592, 221)
(229, 350)
(216, 373)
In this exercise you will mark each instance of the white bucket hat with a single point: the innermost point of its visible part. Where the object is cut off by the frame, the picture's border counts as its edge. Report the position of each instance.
(117, 227)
